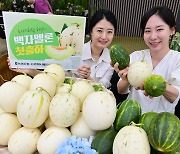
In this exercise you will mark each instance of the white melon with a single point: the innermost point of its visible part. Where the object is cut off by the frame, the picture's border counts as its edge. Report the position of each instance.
(8, 125)
(138, 71)
(51, 138)
(33, 107)
(64, 109)
(99, 110)
(45, 81)
(131, 140)
(10, 92)
(57, 72)
(24, 141)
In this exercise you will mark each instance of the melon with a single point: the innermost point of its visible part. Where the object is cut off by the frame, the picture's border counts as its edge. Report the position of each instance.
(103, 141)
(120, 55)
(51, 138)
(128, 111)
(33, 107)
(131, 140)
(155, 85)
(146, 119)
(8, 125)
(59, 53)
(23, 79)
(81, 129)
(10, 92)
(64, 109)
(82, 89)
(164, 132)
(45, 81)
(24, 141)
(57, 72)
(72, 36)
(138, 71)
(99, 110)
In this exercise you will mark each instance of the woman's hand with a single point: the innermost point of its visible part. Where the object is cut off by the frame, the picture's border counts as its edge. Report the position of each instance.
(84, 71)
(141, 87)
(121, 73)
(31, 72)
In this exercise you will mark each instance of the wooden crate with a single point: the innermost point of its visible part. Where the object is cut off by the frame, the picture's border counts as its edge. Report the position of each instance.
(5, 72)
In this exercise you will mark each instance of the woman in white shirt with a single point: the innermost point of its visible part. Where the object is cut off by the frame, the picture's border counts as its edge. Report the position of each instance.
(157, 25)
(95, 57)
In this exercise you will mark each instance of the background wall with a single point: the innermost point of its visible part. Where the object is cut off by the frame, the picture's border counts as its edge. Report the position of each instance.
(129, 12)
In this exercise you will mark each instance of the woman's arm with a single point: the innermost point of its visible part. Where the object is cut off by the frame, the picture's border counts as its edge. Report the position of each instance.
(171, 93)
(123, 83)
(30, 72)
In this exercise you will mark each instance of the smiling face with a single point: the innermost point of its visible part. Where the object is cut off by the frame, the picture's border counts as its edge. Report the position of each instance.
(102, 34)
(156, 34)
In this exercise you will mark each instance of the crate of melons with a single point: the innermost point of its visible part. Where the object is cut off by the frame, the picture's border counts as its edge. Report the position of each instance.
(37, 114)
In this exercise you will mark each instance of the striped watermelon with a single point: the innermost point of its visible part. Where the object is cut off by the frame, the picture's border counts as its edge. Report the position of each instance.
(164, 132)
(146, 119)
(128, 111)
(103, 141)
(120, 55)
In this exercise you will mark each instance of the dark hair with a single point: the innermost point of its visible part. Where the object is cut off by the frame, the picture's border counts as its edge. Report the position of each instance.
(163, 12)
(99, 15)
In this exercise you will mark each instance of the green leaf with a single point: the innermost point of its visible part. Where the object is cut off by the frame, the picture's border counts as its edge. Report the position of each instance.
(64, 27)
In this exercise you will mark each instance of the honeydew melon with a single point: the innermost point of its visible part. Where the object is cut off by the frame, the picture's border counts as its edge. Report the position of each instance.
(81, 129)
(24, 141)
(99, 110)
(10, 92)
(138, 71)
(45, 81)
(57, 72)
(33, 107)
(82, 89)
(64, 109)
(23, 79)
(131, 140)
(8, 125)
(59, 53)
(51, 138)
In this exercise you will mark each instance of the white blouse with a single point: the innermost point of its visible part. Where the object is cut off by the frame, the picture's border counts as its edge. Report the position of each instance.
(101, 70)
(169, 68)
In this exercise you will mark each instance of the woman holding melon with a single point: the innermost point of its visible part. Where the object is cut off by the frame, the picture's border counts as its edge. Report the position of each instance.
(95, 57)
(157, 25)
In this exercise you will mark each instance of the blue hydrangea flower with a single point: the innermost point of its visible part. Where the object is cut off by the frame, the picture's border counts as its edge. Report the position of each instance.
(75, 145)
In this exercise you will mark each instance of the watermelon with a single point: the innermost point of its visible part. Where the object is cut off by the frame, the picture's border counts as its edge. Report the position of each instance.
(155, 85)
(128, 111)
(120, 55)
(103, 141)
(146, 119)
(164, 132)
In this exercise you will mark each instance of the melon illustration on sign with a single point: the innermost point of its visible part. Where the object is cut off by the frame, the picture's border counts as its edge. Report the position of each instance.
(72, 36)
(59, 53)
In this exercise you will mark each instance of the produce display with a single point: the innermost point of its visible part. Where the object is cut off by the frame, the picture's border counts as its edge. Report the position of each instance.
(52, 113)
